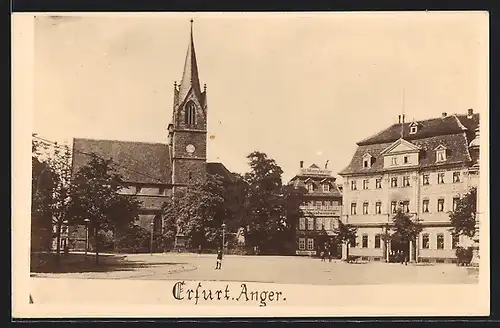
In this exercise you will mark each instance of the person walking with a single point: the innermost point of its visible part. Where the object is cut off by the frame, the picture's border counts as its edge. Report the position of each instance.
(218, 265)
(329, 255)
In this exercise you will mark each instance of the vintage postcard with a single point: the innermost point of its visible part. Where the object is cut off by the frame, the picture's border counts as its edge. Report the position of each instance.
(250, 164)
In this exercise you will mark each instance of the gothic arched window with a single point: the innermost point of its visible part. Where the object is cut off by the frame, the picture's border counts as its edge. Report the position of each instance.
(190, 113)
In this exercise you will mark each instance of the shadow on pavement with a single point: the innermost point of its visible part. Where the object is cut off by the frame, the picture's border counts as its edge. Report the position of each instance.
(80, 263)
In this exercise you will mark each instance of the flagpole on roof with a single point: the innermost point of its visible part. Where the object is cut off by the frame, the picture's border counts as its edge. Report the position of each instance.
(403, 114)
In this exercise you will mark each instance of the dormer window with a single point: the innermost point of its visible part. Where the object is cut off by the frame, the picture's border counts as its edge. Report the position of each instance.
(367, 161)
(310, 187)
(413, 128)
(440, 153)
(401, 152)
(326, 187)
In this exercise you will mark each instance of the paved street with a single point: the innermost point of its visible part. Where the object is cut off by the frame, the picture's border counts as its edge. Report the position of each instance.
(272, 269)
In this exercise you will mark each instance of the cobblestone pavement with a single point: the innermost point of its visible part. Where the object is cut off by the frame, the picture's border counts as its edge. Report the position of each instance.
(276, 269)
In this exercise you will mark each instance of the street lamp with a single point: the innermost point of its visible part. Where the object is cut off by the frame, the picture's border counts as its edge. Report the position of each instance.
(223, 235)
(417, 239)
(151, 241)
(65, 222)
(386, 242)
(86, 235)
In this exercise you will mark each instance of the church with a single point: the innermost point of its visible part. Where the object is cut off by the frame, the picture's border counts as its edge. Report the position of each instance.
(154, 172)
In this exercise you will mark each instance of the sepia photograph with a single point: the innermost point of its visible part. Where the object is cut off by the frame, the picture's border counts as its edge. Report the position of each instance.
(251, 164)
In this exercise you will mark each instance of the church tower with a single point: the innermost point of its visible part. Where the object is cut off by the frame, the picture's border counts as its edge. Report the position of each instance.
(187, 133)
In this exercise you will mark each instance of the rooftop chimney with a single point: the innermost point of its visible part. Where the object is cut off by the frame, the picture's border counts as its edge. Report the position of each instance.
(444, 114)
(469, 113)
(403, 119)
(326, 164)
(301, 164)
(399, 118)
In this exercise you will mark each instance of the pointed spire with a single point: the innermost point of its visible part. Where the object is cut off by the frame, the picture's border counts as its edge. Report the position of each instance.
(190, 77)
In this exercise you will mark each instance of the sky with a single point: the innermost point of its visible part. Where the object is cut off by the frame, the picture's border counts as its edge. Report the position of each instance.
(299, 87)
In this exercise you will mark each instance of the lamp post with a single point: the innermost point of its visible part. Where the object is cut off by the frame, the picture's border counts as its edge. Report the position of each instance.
(65, 222)
(86, 235)
(417, 239)
(386, 242)
(223, 235)
(151, 241)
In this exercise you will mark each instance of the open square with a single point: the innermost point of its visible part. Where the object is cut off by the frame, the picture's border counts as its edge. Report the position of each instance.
(266, 269)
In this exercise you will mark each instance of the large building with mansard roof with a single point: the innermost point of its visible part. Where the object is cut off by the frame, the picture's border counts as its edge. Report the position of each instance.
(155, 171)
(421, 166)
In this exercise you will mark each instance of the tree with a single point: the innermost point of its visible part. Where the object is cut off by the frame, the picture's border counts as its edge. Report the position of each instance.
(51, 186)
(41, 198)
(346, 234)
(237, 193)
(95, 197)
(170, 217)
(60, 165)
(463, 218)
(270, 210)
(404, 230)
(264, 204)
(199, 211)
(292, 198)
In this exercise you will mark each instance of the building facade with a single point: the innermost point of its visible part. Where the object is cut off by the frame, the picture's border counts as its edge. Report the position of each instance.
(154, 172)
(321, 206)
(422, 167)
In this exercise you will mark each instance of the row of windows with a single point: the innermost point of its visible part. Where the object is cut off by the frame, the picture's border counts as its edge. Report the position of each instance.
(439, 241)
(425, 241)
(321, 223)
(311, 187)
(405, 206)
(440, 157)
(364, 241)
(321, 204)
(406, 160)
(367, 162)
(405, 181)
(310, 244)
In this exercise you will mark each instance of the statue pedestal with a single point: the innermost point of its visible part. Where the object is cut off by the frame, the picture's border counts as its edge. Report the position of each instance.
(180, 242)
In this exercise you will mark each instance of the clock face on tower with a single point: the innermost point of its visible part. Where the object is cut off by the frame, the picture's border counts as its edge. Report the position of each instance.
(190, 149)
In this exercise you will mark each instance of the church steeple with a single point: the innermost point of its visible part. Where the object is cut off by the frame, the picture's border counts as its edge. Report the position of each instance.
(188, 130)
(190, 79)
